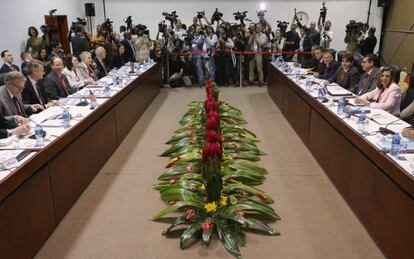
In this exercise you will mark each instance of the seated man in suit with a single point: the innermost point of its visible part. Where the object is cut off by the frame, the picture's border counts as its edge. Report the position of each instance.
(85, 67)
(328, 67)
(10, 97)
(10, 126)
(55, 84)
(33, 93)
(347, 75)
(318, 58)
(368, 81)
(8, 65)
(101, 68)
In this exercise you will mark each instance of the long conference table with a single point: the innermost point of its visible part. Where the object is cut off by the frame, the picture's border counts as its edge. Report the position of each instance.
(376, 187)
(36, 196)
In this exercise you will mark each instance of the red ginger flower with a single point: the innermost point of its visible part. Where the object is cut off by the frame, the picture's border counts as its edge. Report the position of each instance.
(207, 225)
(212, 123)
(189, 214)
(212, 150)
(213, 136)
(214, 114)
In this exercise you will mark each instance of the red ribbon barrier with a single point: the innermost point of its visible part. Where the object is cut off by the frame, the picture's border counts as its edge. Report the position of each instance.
(188, 53)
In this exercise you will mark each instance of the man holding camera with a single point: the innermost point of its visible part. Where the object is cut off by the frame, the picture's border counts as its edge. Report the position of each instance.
(142, 45)
(353, 37)
(79, 41)
(326, 34)
(196, 47)
(292, 42)
(257, 41)
(210, 40)
(179, 32)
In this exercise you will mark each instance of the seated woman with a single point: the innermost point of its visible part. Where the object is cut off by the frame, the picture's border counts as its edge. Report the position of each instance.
(72, 73)
(387, 95)
(119, 58)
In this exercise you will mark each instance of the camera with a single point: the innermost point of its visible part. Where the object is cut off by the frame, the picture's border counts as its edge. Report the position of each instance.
(172, 17)
(323, 12)
(141, 27)
(261, 14)
(240, 15)
(128, 21)
(216, 16)
(282, 25)
(162, 27)
(201, 14)
(351, 26)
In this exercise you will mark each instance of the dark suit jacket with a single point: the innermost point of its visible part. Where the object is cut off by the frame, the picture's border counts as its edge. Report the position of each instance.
(315, 37)
(350, 79)
(79, 44)
(53, 88)
(29, 95)
(7, 107)
(327, 72)
(306, 59)
(6, 124)
(129, 52)
(119, 61)
(369, 85)
(100, 70)
(6, 69)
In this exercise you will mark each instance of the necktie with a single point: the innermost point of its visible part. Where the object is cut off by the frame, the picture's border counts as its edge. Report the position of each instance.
(63, 84)
(90, 73)
(341, 77)
(363, 82)
(18, 107)
(39, 94)
(12, 68)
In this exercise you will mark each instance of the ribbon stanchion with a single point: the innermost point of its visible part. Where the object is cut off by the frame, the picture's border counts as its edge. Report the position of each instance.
(188, 53)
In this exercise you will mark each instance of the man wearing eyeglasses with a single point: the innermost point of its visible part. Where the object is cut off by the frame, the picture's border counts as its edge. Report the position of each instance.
(11, 103)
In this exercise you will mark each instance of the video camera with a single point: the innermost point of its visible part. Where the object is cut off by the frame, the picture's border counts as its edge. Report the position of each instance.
(261, 13)
(216, 16)
(323, 12)
(78, 22)
(352, 26)
(172, 17)
(282, 25)
(128, 22)
(201, 14)
(162, 27)
(141, 27)
(240, 16)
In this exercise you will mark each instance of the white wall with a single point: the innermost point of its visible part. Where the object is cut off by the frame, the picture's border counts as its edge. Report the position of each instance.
(149, 12)
(18, 15)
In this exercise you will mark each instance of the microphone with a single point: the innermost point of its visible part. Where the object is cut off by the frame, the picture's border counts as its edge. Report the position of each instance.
(384, 131)
(84, 101)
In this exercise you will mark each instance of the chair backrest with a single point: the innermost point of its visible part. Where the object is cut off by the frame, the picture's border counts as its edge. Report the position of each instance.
(2, 76)
(397, 71)
(340, 54)
(358, 61)
(333, 52)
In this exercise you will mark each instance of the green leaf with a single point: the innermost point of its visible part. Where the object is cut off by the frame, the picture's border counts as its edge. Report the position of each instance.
(176, 206)
(190, 233)
(179, 194)
(228, 241)
(206, 236)
(231, 188)
(179, 221)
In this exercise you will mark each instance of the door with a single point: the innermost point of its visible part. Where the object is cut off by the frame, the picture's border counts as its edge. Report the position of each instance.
(61, 23)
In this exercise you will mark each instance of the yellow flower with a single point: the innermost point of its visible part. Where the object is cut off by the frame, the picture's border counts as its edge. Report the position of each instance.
(210, 207)
(223, 200)
(202, 187)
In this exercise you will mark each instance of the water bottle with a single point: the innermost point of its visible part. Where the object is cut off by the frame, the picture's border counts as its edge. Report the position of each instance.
(39, 136)
(297, 75)
(115, 80)
(92, 97)
(65, 119)
(395, 144)
(107, 90)
(308, 84)
(341, 106)
(361, 122)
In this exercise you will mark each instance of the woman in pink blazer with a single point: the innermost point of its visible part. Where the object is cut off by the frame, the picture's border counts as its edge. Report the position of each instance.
(386, 96)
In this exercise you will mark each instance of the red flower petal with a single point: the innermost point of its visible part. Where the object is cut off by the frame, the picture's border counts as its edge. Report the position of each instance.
(207, 225)
(173, 180)
(261, 197)
(169, 165)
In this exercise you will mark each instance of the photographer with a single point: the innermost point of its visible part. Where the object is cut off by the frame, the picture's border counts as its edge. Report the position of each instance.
(142, 44)
(179, 32)
(223, 58)
(291, 42)
(257, 42)
(237, 33)
(79, 41)
(210, 40)
(368, 45)
(197, 58)
(49, 36)
(277, 43)
(305, 44)
(326, 34)
(314, 33)
(353, 37)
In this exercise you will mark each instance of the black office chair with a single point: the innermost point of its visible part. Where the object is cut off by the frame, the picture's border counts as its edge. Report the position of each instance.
(340, 54)
(2, 76)
(357, 62)
(397, 72)
(333, 52)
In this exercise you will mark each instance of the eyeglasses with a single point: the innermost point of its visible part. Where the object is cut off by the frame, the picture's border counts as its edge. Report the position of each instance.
(20, 87)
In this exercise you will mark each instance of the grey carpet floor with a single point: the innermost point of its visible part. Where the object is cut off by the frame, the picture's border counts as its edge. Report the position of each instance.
(111, 219)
